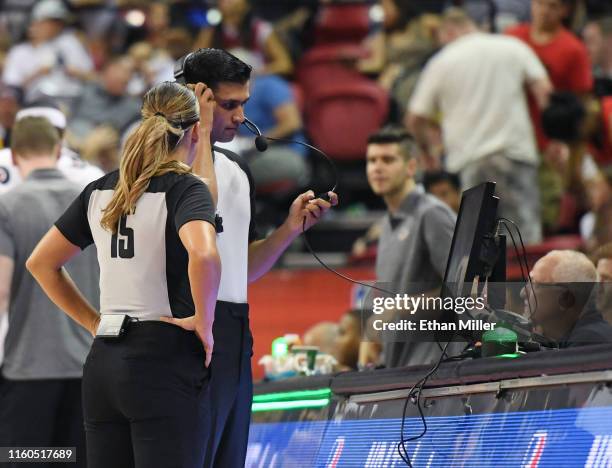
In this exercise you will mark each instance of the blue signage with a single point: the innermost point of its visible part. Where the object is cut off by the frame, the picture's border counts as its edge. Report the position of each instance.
(527, 439)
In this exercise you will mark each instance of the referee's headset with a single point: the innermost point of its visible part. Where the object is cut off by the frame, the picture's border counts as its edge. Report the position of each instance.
(261, 141)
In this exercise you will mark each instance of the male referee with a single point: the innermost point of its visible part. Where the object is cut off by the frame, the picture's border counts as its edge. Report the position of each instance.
(244, 259)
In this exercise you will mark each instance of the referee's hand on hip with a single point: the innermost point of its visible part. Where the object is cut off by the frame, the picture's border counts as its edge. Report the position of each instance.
(205, 334)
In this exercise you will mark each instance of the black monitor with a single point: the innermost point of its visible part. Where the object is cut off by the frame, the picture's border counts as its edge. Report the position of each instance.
(468, 256)
(476, 250)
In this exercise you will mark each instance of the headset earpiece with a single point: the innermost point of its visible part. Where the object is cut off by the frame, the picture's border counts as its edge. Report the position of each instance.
(179, 68)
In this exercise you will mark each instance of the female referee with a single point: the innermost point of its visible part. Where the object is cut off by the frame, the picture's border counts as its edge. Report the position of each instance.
(152, 223)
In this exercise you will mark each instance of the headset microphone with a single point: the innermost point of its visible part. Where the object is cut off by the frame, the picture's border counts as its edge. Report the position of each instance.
(261, 143)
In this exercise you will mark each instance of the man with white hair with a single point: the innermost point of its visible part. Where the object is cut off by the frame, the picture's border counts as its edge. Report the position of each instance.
(563, 283)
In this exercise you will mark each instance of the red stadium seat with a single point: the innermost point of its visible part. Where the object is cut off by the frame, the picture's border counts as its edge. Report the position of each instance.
(340, 117)
(329, 64)
(537, 251)
(342, 23)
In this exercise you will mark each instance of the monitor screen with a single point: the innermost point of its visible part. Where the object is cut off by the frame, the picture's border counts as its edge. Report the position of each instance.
(475, 221)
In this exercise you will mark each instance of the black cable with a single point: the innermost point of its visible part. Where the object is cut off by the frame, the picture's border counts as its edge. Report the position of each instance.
(314, 148)
(262, 146)
(524, 272)
(401, 446)
(331, 270)
(527, 277)
(422, 381)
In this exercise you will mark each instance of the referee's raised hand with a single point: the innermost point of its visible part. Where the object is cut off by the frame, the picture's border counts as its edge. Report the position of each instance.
(206, 99)
(205, 334)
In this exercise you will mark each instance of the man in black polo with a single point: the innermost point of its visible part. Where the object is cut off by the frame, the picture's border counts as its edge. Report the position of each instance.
(244, 257)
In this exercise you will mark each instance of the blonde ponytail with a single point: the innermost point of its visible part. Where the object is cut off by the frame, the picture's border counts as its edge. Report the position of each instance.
(168, 110)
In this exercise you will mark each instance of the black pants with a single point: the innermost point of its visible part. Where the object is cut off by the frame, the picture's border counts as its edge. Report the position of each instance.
(42, 413)
(231, 387)
(143, 399)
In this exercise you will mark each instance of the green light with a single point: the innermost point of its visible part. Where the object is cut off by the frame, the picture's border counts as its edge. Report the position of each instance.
(289, 405)
(279, 347)
(298, 395)
(501, 341)
(509, 355)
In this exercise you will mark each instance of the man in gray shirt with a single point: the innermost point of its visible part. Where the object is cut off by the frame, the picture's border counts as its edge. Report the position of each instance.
(415, 238)
(44, 351)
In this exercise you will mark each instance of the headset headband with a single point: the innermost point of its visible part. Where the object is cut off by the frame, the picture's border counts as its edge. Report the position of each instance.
(179, 68)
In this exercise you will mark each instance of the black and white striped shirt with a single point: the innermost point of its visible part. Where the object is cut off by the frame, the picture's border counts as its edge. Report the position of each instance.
(143, 268)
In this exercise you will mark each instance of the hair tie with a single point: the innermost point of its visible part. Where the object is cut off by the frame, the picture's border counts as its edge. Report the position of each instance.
(159, 113)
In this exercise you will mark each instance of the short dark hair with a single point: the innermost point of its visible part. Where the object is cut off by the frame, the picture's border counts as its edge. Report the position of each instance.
(34, 136)
(562, 119)
(214, 66)
(434, 177)
(395, 134)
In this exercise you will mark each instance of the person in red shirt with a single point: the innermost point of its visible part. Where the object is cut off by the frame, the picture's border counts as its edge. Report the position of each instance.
(562, 53)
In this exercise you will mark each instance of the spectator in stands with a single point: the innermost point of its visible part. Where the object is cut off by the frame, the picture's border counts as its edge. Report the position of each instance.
(597, 37)
(10, 101)
(161, 63)
(444, 186)
(142, 76)
(580, 152)
(584, 124)
(323, 335)
(240, 29)
(567, 62)
(153, 65)
(53, 61)
(496, 15)
(562, 53)
(105, 103)
(563, 282)
(348, 339)
(477, 83)
(604, 293)
(597, 231)
(416, 233)
(409, 43)
(44, 351)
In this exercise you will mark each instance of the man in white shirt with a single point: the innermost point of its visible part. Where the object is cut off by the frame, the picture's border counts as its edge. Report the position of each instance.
(69, 163)
(477, 83)
(53, 61)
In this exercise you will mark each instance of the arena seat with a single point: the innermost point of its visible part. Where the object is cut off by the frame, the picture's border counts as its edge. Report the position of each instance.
(340, 117)
(329, 64)
(342, 22)
(536, 251)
